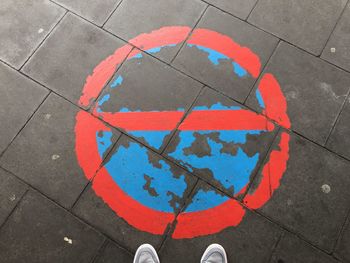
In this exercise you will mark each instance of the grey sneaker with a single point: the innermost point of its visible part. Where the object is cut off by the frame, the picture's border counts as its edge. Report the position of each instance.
(146, 254)
(214, 254)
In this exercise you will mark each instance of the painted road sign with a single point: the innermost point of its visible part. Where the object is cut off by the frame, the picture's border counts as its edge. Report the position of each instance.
(125, 187)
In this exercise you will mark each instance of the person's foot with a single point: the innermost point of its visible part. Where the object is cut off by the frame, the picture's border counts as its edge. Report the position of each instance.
(214, 254)
(146, 254)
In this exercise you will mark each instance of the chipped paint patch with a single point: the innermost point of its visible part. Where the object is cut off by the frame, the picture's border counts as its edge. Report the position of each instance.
(55, 157)
(326, 188)
(68, 240)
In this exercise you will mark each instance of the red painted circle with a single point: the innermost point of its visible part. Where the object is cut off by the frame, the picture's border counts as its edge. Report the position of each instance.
(213, 220)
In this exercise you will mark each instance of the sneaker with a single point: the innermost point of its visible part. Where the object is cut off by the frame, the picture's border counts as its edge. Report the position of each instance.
(214, 254)
(146, 254)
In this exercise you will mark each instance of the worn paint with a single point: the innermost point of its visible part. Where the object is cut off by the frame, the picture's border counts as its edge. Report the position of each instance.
(215, 58)
(203, 200)
(229, 169)
(117, 82)
(129, 165)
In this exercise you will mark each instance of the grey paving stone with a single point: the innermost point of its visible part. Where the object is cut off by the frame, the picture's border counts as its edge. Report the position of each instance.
(64, 68)
(314, 90)
(337, 50)
(36, 232)
(11, 191)
(312, 199)
(227, 159)
(44, 154)
(240, 8)
(94, 11)
(95, 212)
(304, 23)
(217, 71)
(339, 140)
(24, 24)
(291, 249)
(251, 241)
(148, 85)
(113, 254)
(135, 17)
(19, 98)
(342, 250)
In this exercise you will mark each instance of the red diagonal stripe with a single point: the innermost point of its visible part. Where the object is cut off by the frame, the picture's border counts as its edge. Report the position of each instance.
(225, 120)
(144, 121)
(196, 120)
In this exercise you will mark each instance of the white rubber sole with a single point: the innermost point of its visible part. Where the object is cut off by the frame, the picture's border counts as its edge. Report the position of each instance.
(146, 247)
(215, 247)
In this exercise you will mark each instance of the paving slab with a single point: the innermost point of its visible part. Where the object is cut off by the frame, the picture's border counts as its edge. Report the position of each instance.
(311, 199)
(19, 98)
(24, 25)
(315, 91)
(11, 191)
(216, 69)
(135, 17)
(342, 250)
(44, 154)
(337, 50)
(339, 140)
(65, 68)
(57, 236)
(144, 176)
(94, 11)
(147, 86)
(113, 254)
(239, 8)
(251, 241)
(227, 159)
(292, 249)
(304, 23)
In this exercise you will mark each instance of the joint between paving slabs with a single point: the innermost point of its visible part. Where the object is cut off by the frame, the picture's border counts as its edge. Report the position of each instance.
(287, 230)
(281, 236)
(103, 162)
(92, 103)
(190, 33)
(334, 27)
(109, 16)
(262, 71)
(258, 169)
(14, 208)
(42, 42)
(251, 11)
(182, 119)
(34, 189)
(171, 227)
(25, 124)
(347, 97)
(341, 232)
